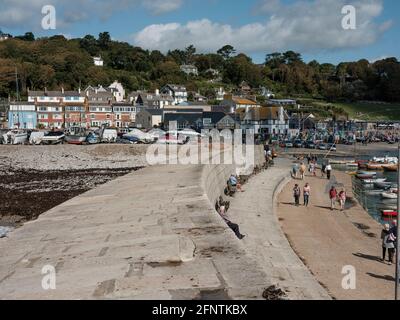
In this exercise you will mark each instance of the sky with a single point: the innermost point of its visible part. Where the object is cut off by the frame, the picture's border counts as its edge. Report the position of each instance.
(255, 27)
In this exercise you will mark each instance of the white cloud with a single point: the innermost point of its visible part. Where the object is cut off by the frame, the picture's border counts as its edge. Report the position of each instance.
(305, 26)
(27, 13)
(163, 6)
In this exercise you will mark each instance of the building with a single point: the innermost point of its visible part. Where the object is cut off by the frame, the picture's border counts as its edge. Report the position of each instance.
(22, 115)
(4, 36)
(124, 114)
(238, 103)
(192, 105)
(220, 94)
(184, 120)
(98, 61)
(178, 93)
(59, 109)
(197, 97)
(266, 93)
(151, 100)
(266, 120)
(189, 69)
(149, 118)
(118, 91)
(218, 120)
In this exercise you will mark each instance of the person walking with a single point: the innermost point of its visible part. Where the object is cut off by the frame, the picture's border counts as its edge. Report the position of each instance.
(296, 195)
(306, 194)
(302, 171)
(342, 199)
(328, 171)
(333, 197)
(387, 244)
(295, 169)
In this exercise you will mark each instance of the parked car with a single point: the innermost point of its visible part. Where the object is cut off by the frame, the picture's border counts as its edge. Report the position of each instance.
(332, 147)
(322, 146)
(287, 144)
(298, 144)
(309, 145)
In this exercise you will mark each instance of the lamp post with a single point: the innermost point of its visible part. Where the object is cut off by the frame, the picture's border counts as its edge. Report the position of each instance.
(398, 228)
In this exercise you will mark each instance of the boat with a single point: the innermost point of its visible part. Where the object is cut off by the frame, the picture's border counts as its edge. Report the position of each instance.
(389, 213)
(375, 166)
(391, 168)
(16, 136)
(76, 135)
(137, 135)
(383, 185)
(384, 160)
(389, 195)
(352, 164)
(372, 181)
(53, 137)
(362, 164)
(365, 176)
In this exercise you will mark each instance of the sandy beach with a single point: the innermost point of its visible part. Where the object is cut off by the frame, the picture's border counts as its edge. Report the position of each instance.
(327, 241)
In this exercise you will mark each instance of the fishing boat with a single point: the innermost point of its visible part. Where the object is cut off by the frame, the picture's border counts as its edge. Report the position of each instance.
(362, 164)
(372, 181)
(389, 213)
(76, 135)
(53, 137)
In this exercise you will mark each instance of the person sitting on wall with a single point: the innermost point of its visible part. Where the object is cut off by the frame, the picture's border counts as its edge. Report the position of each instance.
(234, 227)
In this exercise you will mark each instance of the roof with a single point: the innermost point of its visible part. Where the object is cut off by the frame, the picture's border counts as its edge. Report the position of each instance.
(182, 117)
(243, 101)
(262, 113)
(175, 87)
(55, 94)
(154, 112)
(214, 116)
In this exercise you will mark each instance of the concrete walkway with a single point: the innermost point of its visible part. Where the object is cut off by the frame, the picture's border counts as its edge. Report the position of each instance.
(253, 210)
(152, 234)
(328, 241)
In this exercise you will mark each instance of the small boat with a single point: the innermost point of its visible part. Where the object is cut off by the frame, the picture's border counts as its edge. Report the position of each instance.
(391, 168)
(372, 181)
(389, 213)
(365, 176)
(389, 195)
(76, 135)
(383, 185)
(375, 166)
(15, 137)
(53, 137)
(362, 164)
(367, 172)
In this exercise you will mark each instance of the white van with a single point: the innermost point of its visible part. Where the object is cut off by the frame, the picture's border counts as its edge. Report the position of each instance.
(108, 135)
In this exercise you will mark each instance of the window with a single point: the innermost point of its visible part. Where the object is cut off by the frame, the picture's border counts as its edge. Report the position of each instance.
(92, 116)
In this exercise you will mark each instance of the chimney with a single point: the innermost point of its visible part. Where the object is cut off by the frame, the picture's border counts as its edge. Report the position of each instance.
(62, 90)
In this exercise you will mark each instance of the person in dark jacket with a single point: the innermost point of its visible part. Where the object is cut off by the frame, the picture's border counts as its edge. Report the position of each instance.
(387, 244)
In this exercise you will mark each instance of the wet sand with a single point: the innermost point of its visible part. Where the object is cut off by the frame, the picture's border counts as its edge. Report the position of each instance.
(327, 241)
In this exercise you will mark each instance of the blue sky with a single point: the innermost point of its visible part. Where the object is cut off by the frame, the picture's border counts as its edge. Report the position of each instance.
(255, 27)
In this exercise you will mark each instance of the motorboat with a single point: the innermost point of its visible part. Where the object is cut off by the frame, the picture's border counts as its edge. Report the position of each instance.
(53, 137)
(375, 166)
(76, 135)
(366, 176)
(384, 160)
(372, 181)
(139, 136)
(383, 185)
(389, 195)
(391, 168)
(92, 138)
(389, 213)
(16, 136)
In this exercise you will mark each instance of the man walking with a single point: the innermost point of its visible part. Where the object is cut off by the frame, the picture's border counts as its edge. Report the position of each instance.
(296, 195)
(328, 171)
(306, 194)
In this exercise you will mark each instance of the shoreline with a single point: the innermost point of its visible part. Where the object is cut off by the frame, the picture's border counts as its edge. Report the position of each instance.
(327, 241)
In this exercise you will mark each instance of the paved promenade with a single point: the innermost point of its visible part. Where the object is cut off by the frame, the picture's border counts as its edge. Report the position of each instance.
(253, 210)
(328, 240)
(154, 234)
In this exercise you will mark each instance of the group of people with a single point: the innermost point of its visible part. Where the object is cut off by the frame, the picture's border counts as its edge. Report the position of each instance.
(336, 196)
(306, 194)
(389, 241)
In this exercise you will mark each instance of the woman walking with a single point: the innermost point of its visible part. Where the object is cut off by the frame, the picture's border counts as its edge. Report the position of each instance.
(387, 244)
(342, 200)
(306, 193)
(333, 197)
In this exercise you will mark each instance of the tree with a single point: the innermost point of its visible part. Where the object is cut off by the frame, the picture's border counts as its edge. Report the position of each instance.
(28, 36)
(89, 43)
(226, 52)
(104, 40)
(189, 54)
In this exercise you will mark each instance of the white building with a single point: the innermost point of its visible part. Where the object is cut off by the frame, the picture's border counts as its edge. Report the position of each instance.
(220, 94)
(178, 93)
(118, 91)
(190, 69)
(98, 61)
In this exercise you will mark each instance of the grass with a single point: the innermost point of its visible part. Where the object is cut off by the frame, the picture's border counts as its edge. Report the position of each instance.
(364, 110)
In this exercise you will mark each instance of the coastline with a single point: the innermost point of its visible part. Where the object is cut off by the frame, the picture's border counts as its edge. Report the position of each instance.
(328, 241)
